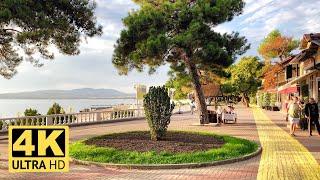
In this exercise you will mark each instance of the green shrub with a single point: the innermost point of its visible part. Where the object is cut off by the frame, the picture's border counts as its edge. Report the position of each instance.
(31, 112)
(55, 109)
(273, 99)
(158, 110)
(253, 99)
(266, 99)
(260, 99)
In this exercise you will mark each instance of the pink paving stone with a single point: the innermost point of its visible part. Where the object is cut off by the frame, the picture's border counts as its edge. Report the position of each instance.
(245, 128)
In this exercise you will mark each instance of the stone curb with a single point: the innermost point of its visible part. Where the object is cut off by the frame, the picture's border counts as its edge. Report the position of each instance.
(169, 166)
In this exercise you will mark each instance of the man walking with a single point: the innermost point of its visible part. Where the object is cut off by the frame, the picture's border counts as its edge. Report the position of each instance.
(312, 113)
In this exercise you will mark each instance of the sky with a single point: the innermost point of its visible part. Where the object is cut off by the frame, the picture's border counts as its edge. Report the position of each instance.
(93, 67)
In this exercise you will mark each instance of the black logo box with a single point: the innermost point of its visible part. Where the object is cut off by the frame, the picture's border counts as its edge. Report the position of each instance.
(16, 133)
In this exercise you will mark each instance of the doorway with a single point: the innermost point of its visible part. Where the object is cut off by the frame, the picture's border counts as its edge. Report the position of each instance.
(318, 88)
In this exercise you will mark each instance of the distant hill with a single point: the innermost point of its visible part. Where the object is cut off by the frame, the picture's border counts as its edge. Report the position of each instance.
(84, 93)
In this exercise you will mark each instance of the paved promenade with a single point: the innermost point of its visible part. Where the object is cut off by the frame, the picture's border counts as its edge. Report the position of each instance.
(282, 154)
(269, 128)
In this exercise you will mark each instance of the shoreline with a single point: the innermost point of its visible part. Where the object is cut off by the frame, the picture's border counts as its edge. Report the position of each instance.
(16, 107)
(66, 98)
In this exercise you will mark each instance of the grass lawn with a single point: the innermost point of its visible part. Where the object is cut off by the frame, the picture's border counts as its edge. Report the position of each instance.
(233, 147)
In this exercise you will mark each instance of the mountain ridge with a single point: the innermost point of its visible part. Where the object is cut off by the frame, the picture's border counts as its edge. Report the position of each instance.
(81, 93)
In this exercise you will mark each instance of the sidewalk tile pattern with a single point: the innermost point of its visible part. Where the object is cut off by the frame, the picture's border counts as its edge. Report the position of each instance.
(283, 157)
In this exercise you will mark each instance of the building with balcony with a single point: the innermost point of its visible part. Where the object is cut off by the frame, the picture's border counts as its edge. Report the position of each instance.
(298, 75)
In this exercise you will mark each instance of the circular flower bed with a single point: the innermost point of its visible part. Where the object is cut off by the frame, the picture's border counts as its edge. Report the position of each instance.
(175, 148)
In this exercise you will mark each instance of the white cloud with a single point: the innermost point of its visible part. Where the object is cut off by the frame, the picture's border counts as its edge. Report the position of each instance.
(259, 15)
(292, 17)
(97, 45)
(275, 21)
(252, 33)
(111, 30)
(93, 67)
(312, 25)
(222, 29)
(252, 6)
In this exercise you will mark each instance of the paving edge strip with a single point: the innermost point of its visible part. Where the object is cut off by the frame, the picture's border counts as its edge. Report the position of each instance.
(169, 166)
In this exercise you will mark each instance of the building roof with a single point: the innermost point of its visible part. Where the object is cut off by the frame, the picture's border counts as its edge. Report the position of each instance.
(212, 89)
(287, 60)
(299, 57)
(304, 55)
(314, 38)
(308, 52)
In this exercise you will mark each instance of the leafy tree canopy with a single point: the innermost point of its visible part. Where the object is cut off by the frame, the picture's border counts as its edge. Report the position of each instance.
(31, 26)
(228, 89)
(155, 35)
(150, 2)
(276, 45)
(181, 33)
(245, 76)
(270, 76)
(181, 82)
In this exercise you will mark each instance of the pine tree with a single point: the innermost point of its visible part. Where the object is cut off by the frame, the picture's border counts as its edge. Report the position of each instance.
(180, 32)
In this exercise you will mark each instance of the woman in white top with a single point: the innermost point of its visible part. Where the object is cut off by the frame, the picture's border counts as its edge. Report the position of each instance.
(294, 115)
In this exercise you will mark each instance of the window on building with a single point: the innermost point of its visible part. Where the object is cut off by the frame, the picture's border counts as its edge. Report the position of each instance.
(318, 91)
(311, 82)
(289, 72)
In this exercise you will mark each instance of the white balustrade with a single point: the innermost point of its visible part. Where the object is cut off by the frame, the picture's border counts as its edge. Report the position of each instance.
(70, 119)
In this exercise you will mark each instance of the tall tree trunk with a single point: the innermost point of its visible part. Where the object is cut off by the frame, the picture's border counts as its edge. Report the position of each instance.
(199, 97)
(245, 99)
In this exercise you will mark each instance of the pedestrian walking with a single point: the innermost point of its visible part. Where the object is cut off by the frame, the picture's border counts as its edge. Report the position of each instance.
(294, 115)
(312, 113)
(303, 120)
(192, 106)
(286, 107)
(219, 114)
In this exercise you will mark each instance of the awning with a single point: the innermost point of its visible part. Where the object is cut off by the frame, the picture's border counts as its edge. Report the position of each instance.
(289, 90)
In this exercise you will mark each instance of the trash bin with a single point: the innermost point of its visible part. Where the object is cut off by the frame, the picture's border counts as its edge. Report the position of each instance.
(212, 115)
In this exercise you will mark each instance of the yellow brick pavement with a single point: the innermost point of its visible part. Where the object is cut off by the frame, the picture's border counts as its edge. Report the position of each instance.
(283, 157)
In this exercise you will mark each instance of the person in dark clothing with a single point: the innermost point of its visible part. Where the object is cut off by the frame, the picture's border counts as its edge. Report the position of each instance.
(312, 113)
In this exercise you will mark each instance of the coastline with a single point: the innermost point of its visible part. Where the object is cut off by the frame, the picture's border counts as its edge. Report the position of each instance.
(16, 107)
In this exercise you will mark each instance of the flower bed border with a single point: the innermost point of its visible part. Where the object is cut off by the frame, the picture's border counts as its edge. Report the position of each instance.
(170, 166)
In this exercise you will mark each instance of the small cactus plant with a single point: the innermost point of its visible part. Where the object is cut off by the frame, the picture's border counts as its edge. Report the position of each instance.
(158, 111)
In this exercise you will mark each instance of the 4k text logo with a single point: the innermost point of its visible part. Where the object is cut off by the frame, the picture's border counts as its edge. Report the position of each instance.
(38, 149)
